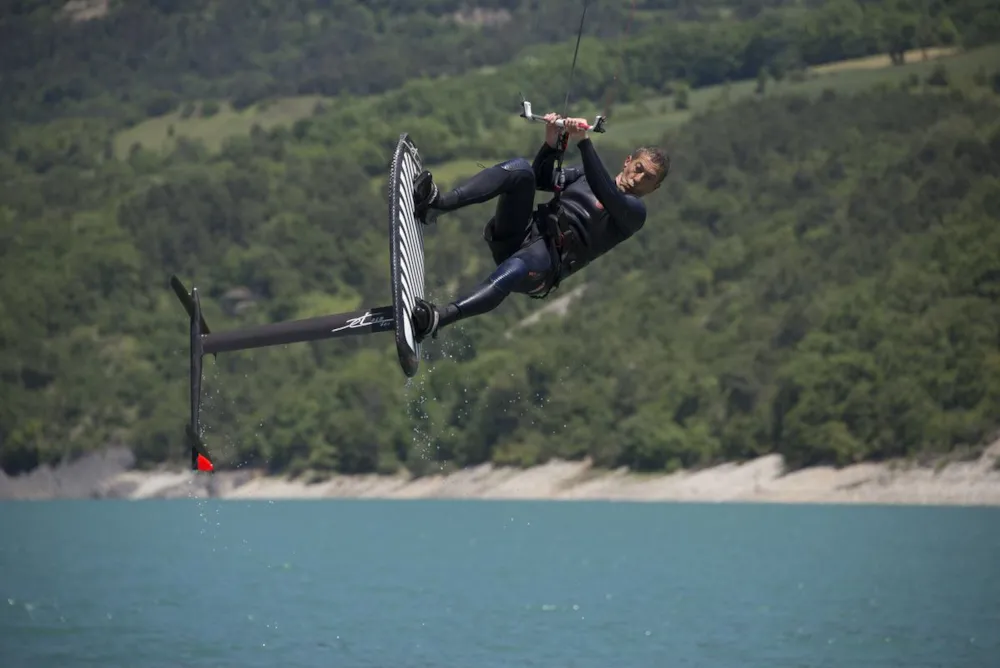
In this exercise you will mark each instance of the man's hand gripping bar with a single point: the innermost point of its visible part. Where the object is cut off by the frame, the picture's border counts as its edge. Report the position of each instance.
(598, 125)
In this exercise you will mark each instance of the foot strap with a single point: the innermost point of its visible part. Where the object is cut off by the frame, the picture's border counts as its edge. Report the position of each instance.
(426, 320)
(425, 193)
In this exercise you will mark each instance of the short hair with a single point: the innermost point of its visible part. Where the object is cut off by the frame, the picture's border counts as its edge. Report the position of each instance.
(657, 156)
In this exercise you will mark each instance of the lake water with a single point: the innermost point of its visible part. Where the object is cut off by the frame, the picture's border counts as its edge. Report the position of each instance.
(476, 584)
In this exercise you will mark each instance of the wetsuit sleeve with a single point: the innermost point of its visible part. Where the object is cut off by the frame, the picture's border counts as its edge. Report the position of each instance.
(544, 168)
(627, 211)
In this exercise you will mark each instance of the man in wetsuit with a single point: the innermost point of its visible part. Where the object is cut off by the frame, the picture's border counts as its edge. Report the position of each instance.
(595, 213)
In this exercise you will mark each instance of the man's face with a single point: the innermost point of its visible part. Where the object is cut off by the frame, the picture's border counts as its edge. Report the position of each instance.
(639, 176)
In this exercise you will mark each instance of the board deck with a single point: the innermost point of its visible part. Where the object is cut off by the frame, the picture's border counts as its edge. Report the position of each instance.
(406, 243)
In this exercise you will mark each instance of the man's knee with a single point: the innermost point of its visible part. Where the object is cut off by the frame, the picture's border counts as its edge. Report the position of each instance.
(519, 167)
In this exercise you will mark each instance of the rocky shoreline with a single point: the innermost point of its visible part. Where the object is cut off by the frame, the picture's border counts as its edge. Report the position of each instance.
(110, 475)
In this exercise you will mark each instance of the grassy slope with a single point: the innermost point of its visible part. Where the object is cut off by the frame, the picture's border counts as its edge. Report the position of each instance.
(154, 133)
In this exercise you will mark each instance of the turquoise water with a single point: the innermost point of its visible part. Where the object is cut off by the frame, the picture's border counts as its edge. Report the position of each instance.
(490, 584)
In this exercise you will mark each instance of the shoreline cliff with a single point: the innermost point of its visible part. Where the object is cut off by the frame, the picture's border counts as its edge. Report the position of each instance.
(110, 475)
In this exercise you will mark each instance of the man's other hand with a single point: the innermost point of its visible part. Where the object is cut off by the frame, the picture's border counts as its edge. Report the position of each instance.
(552, 131)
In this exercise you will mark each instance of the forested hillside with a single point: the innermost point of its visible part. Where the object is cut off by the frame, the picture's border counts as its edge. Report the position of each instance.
(127, 60)
(819, 277)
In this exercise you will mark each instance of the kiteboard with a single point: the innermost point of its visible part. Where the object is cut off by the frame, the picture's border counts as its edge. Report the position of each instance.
(406, 259)
(406, 251)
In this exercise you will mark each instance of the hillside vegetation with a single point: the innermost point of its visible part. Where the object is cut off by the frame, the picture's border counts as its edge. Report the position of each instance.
(819, 277)
(148, 57)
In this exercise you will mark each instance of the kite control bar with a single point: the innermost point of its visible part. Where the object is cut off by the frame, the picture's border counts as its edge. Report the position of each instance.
(597, 126)
(599, 120)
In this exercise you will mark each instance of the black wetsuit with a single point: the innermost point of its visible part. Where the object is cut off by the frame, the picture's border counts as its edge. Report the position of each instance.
(599, 217)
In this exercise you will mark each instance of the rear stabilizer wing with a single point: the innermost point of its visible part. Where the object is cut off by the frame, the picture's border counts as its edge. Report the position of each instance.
(200, 461)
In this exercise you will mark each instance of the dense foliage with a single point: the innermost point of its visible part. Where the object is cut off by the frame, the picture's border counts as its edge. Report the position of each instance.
(819, 278)
(145, 57)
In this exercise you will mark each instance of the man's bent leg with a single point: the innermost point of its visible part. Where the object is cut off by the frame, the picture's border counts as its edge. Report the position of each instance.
(522, 272)
(513, 181)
